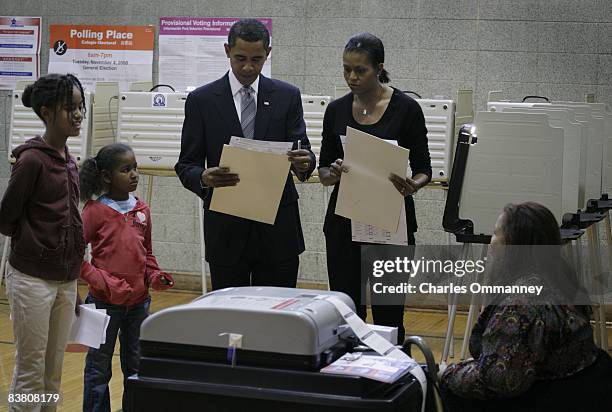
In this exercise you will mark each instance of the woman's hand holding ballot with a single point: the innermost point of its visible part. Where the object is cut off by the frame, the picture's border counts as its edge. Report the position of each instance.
(331, 175)
(406, 186)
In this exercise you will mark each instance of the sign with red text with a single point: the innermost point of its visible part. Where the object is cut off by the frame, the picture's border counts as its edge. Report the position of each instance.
(96, 53)
(191, 51)
(19, 50)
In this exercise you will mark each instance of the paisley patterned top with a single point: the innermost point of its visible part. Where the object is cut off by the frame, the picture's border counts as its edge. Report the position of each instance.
(515, 343)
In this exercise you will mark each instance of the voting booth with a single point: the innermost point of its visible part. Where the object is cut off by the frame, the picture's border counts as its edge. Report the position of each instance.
(258, 348)
(550, 153)
(593, 164)
(97, 128)
(151, 123)
(440, 122)
(314, 110)
(103, 116)
(25, 124)
(518, 157)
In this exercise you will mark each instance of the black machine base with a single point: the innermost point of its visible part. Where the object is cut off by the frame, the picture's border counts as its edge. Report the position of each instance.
(181, 385)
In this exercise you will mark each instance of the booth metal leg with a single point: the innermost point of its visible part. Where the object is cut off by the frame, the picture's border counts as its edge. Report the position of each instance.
(579, 258)
(149, 189)
(202, 245)
(468, 327)
(474, 308)
(453, 313)
(609, 239)
(451, 352)
(4, 258)
(600, 314)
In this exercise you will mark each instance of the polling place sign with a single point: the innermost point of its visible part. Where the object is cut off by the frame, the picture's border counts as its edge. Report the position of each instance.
(96, 53)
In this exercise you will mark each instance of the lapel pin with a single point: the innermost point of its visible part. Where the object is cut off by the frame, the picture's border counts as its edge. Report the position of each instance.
(266, 103)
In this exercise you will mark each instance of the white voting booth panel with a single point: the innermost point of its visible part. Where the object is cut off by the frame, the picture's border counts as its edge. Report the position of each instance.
(151, 124)
(602, 110)
(314, 110)
(574, 152)
(104, 109)
(25, 124)
(596, 145)
(440, 123)
(518, 158)
(592, 115)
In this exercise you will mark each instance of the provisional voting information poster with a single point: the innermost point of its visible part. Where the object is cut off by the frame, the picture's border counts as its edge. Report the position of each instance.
(19, 50)
(191, 50)
(102, 53)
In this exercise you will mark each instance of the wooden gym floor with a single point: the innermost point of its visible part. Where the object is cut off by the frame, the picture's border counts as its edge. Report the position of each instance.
(430, 325)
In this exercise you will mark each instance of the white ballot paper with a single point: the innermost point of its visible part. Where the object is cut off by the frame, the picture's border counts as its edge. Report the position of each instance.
(262, 179)
(379, 368)
(366, 194)
(361, 232)
(89, 328)
(261, 145)
(379, 344)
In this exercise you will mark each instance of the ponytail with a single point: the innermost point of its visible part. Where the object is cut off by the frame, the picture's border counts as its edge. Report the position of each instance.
(90, 175)
(383, 76)
(90, 179)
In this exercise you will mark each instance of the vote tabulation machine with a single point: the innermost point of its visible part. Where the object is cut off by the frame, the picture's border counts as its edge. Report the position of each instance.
(257, 347)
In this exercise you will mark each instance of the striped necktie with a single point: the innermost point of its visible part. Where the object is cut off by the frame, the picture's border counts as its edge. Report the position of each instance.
(248, 111)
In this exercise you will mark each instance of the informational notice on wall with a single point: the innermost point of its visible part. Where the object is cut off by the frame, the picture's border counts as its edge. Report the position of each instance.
(191, 51)
(19, 50)
(102, 53)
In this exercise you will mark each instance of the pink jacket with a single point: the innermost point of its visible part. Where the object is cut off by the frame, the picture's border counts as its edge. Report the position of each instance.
(122, 265)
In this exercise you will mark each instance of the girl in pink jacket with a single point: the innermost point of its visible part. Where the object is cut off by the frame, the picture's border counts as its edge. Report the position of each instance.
(122, 267)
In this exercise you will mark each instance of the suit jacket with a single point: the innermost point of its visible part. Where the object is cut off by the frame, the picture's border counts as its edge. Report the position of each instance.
(210, 121)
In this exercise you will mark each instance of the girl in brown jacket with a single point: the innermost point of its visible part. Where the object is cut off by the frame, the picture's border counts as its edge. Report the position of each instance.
(39, 211)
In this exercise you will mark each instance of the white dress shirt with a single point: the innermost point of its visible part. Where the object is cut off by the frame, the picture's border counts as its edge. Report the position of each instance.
(235, 85)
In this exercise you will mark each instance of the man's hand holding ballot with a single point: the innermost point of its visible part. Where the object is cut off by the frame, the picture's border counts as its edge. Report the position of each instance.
(219, 177)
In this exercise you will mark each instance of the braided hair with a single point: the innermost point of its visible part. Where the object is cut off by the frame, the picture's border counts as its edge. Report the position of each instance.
(52, 91)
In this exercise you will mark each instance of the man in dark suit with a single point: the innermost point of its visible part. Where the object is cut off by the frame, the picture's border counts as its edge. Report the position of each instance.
(244, 103)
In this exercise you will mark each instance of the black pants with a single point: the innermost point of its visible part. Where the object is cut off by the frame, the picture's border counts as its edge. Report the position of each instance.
(253, 272)
(344, 272)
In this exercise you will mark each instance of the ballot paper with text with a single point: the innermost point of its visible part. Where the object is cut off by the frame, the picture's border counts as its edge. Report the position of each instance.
(366, 195)
(262, 180)
(361, 232)
(261, 145)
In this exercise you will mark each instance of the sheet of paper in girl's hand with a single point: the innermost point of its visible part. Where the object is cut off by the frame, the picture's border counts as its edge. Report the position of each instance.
(366, 194)
(89, 328)
(262, 180)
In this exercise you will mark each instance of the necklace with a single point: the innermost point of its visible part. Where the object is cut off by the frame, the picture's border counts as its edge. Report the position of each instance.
(365, 110)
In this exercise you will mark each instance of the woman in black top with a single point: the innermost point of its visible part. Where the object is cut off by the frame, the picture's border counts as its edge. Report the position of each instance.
(385, 112)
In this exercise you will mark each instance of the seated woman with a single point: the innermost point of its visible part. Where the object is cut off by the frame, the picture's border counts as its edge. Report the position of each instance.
(530, 355)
